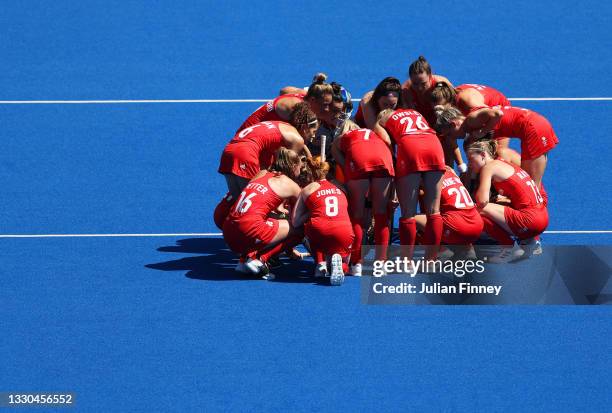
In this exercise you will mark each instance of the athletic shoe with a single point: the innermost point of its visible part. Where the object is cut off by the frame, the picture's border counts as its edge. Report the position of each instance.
(241, 267)
(337, 275)
(530, 245)
(356, 270)
(507, 254)
(538, 249)
(321, 270)
(259, 268)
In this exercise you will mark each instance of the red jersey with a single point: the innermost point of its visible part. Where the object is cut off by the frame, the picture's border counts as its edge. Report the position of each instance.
(521, 189)
(406, 122)
(454, 196)
(423, 105)
(267, 112)
(492, 97)
(535, 132)
(514, 122)
(256, 201)
(328, 203)
(252, 149)
(365, 151)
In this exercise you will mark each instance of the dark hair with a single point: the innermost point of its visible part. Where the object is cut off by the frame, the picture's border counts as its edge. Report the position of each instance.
(386, 86)
(302, 115)
(340, 94)
(442, 91)
(419, 66)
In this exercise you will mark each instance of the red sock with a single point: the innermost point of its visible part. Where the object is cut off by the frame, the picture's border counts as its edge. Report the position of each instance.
(289, 242)
(433, 236)
(356, 250)
(407, 232)
(381, 235)
(319, 256)
(497, 232)
(223, 209)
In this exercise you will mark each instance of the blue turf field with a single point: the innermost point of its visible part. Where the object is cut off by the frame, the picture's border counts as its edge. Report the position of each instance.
(162, 323)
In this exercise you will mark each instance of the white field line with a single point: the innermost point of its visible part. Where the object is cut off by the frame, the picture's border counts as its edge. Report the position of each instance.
(214, 234)
(126, 101)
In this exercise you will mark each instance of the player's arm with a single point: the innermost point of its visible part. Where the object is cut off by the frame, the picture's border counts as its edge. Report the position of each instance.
(443, 79)
(471, 98)
(287, 90)
(484, 187)
(379, 128)
(300, 212)
(369, 115)
(482, 121)
(294, 141)
(407, 101)
(285, 106)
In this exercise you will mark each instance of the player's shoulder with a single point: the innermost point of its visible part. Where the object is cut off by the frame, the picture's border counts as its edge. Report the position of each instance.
(310, 189)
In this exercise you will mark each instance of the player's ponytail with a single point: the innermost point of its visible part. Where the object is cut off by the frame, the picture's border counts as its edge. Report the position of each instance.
(314, 170)
(318, 88)
(421, 65)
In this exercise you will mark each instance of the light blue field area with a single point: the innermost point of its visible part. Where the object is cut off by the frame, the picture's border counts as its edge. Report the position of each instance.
(162, 323)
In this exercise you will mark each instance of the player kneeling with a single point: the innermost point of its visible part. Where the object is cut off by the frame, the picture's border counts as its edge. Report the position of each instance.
(462, 224)
(525, 218)
(249, 231)
(323, 210)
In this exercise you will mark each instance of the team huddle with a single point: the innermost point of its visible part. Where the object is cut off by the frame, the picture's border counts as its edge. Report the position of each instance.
(300, 170)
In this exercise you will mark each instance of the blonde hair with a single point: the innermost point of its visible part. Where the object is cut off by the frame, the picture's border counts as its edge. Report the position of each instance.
(285, 161)
(319, 88)
(348, 126)
(488, 146)
(384, 114)
(445, 115)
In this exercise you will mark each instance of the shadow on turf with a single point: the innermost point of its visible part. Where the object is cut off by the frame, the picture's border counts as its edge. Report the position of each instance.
(217, 263)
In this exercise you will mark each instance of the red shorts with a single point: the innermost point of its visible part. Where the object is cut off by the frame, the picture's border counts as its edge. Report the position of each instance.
(461, 227)
(330, 238)
(247, 236)
(241, 160)
(526, 223)
(539, 137)
(419, 153)
(380, 173)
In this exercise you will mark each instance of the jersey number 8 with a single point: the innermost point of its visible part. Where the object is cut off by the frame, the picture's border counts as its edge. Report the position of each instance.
(331, 206)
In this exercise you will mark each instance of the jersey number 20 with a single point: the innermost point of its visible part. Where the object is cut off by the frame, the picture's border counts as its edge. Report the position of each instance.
(463, 199)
